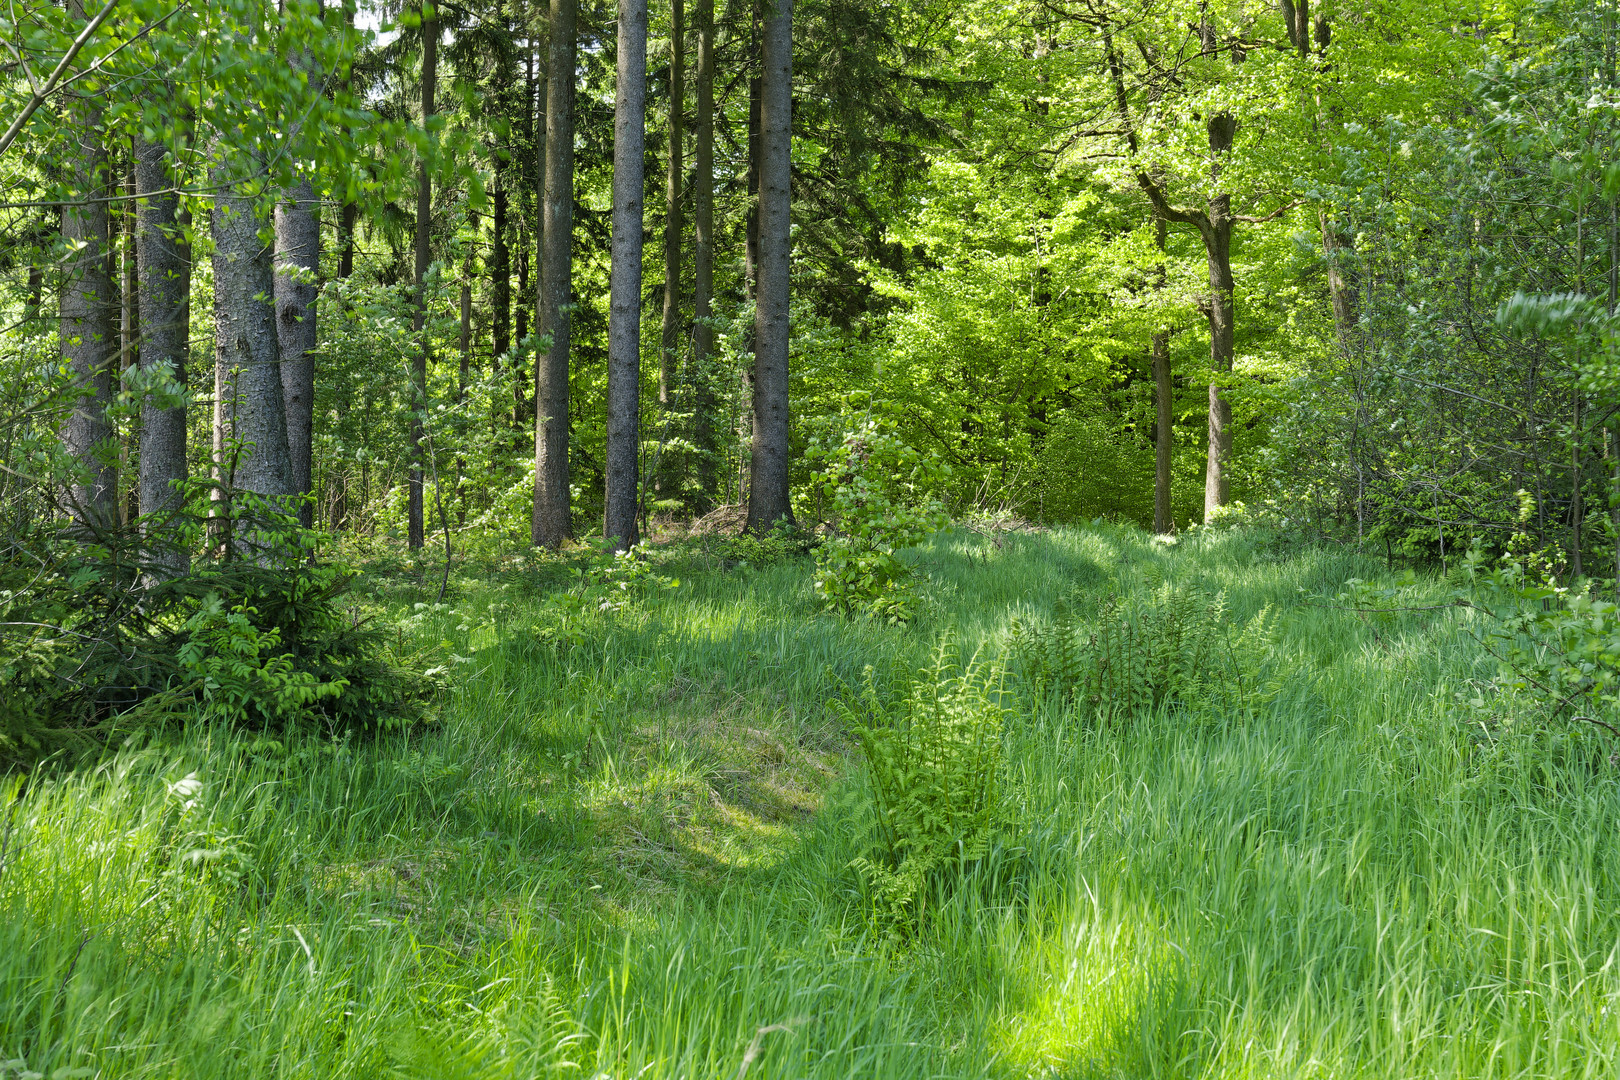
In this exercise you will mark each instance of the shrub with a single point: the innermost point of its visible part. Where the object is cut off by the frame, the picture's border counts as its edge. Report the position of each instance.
(876, 491)
(1557, 643)
(97, 634)
(934, 754)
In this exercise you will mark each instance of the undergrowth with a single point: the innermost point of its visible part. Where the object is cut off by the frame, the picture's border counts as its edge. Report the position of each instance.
(633, 851)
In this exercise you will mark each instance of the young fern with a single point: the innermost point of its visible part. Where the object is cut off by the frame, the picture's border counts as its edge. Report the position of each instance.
(934, 751)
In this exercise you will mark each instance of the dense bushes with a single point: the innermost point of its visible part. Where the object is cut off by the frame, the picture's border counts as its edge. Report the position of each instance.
(98, 637)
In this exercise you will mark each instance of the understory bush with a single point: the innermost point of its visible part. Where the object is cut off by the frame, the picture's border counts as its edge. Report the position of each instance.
(1171, 645)
(933, 749)
(98, 634)
(877, 493)
(1558, 643)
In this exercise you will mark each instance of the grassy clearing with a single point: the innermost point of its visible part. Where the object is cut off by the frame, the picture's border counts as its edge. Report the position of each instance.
(626, 852)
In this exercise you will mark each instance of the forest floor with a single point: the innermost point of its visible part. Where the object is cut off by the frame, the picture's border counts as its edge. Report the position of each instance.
(625, 850)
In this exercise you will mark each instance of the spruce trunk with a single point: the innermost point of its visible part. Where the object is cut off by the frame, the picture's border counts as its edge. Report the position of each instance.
(252, 421)
(164, 268)
(424, 259)
(768, 467)
(668, 476)
(551, 524)
(89, 324)
(703, 433)
(298, 257)
(619, 521)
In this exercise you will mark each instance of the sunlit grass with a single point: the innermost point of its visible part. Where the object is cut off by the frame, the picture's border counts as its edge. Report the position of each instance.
(627, 853)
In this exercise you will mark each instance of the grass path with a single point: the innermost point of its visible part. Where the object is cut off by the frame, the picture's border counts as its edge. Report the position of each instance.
(625, 852)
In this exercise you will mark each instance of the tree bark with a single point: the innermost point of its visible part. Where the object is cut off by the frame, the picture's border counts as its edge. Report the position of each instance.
(619, 519)
(129, 334)
(1164, 433)
(522, 407)
(500, 266)
(1163, 389)
(164, 267)
(551, 525)
(463, 374)
(424, 259)
(703, 433)
(89, 322)
(1218, 244)
(768, 467)
(670, 337)
(246, 350)
(298, 259)
(1341, 279)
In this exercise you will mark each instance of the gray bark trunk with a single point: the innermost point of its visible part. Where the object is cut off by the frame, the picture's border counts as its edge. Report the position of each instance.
(89, 325)
(1163, 390)
(768, 467)
(247, 356)
(1164, 434)
(298, 258)
(1218, 247)
(1341, 279)
(670, 336)
(619, 520)
(164, 266)
(415, 535)
(1217, 484)
(703, 261)
(551, 524)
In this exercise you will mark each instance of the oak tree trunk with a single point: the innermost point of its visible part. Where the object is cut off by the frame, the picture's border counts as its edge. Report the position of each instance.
(551, 524)
(768, 467)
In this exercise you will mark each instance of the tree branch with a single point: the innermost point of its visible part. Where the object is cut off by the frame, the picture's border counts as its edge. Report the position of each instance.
(37, 98)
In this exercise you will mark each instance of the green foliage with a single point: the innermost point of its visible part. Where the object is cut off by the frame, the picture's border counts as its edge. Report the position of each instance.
(1560, 644)
(877, 494)
(102, 639)
(933, 752)
(1171, 645)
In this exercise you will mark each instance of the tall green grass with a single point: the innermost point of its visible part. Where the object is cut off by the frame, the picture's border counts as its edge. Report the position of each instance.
(625, 851)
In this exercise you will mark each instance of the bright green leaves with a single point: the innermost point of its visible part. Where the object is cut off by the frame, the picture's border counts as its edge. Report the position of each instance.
(934, 753)
(877, 493)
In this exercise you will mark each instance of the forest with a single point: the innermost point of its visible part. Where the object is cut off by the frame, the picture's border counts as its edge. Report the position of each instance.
(809, 538)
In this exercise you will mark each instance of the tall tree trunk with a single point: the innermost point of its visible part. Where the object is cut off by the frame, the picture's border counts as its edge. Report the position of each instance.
(247, 354)
(463, 374)
(522, 416)
(751, 228)
(703, 433)
(670, 338)
(298, 259)
(89, 320)
(1218, 241)
(1164, 432)
(129, 334)
(164, 261)
(500, 271)
(768, 468)
(551, 525)
(424, 259)
(619, 519)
